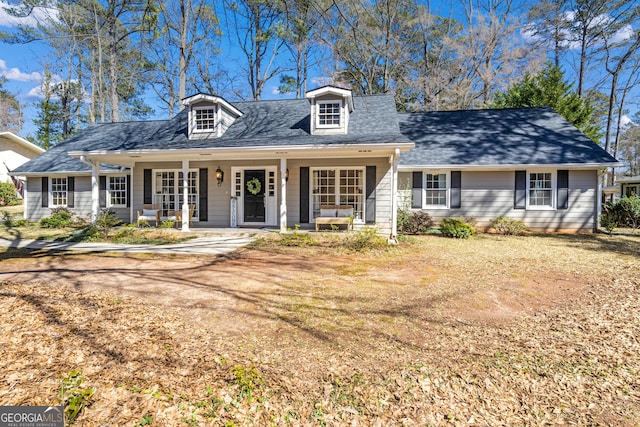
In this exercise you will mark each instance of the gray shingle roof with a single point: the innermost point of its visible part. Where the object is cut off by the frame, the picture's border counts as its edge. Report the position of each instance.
(522, 136)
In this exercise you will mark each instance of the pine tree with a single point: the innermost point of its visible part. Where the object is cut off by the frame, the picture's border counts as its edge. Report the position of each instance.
(549, 89)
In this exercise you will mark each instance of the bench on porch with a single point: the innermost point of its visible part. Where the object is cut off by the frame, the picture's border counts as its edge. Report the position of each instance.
(335, 214)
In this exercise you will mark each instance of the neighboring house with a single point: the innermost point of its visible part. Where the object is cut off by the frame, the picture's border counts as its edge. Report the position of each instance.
(15, 151)
(275, 163)
(629, 186)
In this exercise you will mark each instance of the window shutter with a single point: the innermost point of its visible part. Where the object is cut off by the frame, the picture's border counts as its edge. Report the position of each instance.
(44, 192)
(71, 184)
(129, 190)
(456, 189)
(520, 193)
(103, 191)
(148, 189)
(203, 177)
(370, 210)
(563, 189)
(304, 195)
(416, 194)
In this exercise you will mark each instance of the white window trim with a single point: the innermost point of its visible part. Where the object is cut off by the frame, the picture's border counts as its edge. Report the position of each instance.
(337, 169)
(109, 205)
(447, 174)
(554, 190)
(66, 190)
(177, 184)
(330, 126)
(194, 124)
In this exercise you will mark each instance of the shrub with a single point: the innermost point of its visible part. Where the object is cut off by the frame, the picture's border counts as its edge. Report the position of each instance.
(367, 238)
(60, 218)
(509, 226)
(8, 194)
(168, 223)
(297, 239)
(624, 212)
(457, 228)
(105, 221)
(608, 223)
(417, 222)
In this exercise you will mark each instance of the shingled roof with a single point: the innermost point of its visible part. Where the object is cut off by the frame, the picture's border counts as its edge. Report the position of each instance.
(522, 136)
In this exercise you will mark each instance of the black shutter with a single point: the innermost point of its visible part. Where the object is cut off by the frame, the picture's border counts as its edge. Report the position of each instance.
(203, 176)
(71, 184)
(128, 191)
(520, 193)
(370, 210)
(44, 192)
(148, 189)
(416, 194)
(103, 191)
(304, 195)
(563, 189)
(456, 189)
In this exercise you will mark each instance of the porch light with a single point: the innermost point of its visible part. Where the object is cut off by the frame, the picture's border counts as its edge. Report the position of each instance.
(219, 176)
(286, 175)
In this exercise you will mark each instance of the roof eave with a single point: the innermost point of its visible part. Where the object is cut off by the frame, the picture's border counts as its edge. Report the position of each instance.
(514, 166)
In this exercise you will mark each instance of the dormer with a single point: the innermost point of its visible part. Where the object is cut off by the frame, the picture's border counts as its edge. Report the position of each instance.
(209, 115)
(330, 109)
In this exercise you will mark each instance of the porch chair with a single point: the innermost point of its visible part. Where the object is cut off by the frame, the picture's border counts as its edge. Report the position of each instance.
(149, 213)
(177, 216)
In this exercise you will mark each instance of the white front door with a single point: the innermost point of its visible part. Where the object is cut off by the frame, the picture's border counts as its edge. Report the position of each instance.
(254, 189)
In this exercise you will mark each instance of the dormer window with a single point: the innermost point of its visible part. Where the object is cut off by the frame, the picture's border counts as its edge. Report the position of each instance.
(330, 109)
(205, 119)
(209, 116)
(329, 114)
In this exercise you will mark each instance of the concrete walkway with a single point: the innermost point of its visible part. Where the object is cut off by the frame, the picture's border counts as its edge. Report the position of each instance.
(207, 245)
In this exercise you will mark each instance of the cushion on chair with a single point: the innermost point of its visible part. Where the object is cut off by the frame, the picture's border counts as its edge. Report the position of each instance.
(328, 212)
(344, 213)
(149, 212)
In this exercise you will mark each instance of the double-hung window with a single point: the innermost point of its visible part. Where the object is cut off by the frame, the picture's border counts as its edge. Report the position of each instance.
(436, 190)
(117, 188)
(329, 114)
(540, 190)
(58, 192)
(204, 119)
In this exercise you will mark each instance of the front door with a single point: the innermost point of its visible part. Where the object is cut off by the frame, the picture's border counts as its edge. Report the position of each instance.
(254, 188)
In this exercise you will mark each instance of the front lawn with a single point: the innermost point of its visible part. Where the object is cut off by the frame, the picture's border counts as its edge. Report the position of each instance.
(535, 330)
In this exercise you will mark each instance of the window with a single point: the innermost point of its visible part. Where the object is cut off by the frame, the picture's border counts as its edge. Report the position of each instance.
(343, 187)
(169, 195)
(329, 114)
(631, 190)
(436, 189)
(204, 119)
(540, 189)
(58, 192)
(117, 188)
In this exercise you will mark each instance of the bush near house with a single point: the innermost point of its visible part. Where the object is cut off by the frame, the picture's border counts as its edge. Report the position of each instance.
(509, 226)
(60, 218)
(8, 194)
(457, 228)
(624, 212)
(417, 222)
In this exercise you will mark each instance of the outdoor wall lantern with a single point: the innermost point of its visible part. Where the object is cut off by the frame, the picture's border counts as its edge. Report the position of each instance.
(219, 176)
(286, 175)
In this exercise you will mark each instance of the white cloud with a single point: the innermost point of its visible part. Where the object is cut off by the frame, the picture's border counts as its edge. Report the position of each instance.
(16, 74)
(625, 121)
(37, 16)
(322, 81)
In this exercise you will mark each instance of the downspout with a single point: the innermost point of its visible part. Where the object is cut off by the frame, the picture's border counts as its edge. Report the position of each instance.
(95, 187)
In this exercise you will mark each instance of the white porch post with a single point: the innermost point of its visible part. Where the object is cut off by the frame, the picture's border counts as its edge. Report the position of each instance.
(95, 191)
(185, 195)
(283, 195)
(601, 177)
(394, 194)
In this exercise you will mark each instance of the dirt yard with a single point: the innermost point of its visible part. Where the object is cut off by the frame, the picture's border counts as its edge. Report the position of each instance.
(532, 330)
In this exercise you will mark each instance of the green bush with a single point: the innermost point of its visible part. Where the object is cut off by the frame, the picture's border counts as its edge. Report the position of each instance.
(367, 238)
(60, 218)
(296, 238)
(8, 194)
(105, 221)
(624, 212)
(417, 222)
(457, 228)
(168, 223)
(509, 226)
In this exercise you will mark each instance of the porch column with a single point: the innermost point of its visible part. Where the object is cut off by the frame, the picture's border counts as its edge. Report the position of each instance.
(185, 195)
(95, 186)
(394, 194)
(600, 177)
(283, 195)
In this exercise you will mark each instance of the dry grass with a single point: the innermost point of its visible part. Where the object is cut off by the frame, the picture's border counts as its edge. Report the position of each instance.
(531, 330)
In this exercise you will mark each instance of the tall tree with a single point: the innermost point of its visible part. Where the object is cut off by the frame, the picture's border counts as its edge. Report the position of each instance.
(10, 110)
(549, 89)
(629, 150)
(550, 26)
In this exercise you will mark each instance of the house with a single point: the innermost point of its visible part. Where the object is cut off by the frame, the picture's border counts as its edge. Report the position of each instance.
(629, 186)
(275, 163)
(15, 151)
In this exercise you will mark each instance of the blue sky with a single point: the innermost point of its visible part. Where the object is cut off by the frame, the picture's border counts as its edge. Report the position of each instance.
(21, 65)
